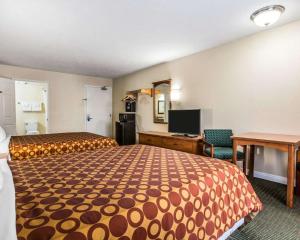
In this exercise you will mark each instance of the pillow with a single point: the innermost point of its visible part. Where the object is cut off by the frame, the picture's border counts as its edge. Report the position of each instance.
(4, 145)
(1, 178)
(2, 134)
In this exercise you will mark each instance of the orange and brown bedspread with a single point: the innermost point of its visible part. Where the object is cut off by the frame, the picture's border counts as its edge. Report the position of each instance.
(130, 192)
(30, 146)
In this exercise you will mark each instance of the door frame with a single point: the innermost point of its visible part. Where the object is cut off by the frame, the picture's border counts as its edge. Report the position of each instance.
(86, 86)
(47, 116)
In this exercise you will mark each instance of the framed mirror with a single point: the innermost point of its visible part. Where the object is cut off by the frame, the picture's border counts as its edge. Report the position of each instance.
(161, 101)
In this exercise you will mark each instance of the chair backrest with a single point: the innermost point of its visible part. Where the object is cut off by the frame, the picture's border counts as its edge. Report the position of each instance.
(218, 137)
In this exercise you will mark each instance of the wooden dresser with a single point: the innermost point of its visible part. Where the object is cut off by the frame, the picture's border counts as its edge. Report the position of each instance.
(166, 140)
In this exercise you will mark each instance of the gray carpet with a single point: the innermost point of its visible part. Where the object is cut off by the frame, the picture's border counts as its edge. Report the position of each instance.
(276, 221)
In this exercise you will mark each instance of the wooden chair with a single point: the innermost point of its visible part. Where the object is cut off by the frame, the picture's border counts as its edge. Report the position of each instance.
(217, 143)
(298, 174)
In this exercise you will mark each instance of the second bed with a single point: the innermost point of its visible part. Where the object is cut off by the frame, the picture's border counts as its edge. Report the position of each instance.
(31, 146)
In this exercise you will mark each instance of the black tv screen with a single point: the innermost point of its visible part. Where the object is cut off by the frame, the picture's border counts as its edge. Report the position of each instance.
(184, 121)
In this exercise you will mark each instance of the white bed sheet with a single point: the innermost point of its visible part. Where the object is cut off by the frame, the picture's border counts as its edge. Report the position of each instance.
(231, 230)
(7, 203)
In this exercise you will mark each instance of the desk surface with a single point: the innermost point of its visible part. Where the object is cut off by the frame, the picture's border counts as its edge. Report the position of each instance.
(269, 137)
(171, 135)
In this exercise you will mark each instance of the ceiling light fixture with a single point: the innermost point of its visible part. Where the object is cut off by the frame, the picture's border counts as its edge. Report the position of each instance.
(266, 16)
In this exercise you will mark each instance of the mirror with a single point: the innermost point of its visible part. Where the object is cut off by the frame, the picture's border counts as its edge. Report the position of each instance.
(161, 101)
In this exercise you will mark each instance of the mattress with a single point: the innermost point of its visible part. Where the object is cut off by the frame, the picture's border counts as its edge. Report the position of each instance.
(130, 192)
(31, 146)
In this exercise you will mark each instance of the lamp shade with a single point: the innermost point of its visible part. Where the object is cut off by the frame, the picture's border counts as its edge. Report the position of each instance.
(267, 16)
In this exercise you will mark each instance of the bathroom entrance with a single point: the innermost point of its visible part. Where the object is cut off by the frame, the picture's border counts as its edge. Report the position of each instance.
(31, 107)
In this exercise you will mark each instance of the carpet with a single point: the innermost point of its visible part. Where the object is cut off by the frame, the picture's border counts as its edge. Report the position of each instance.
(276, 221)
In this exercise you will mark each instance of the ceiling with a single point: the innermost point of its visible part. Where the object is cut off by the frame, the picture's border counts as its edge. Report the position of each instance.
(111, 38)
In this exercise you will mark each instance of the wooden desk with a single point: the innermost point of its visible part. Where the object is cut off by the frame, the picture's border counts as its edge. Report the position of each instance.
(285, 143)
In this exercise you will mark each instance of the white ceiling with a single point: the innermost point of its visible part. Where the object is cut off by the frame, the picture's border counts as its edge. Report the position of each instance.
(111, 38)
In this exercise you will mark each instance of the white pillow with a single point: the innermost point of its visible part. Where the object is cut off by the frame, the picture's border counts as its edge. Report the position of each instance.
(4, 145)
(2, 134)
(1, 178)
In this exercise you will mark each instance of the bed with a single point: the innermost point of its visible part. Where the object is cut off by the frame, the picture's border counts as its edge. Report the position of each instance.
(7, 201)
(31, 146)
(130, 192)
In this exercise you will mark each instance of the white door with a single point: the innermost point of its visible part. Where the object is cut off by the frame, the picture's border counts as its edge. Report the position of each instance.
(7, 105)
(99, 110)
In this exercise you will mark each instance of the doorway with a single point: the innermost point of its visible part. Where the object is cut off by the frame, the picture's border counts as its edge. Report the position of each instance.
(98, 110)
(7, 105)
(31, 100)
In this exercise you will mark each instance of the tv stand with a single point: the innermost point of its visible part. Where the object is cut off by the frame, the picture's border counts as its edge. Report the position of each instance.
(190, 144)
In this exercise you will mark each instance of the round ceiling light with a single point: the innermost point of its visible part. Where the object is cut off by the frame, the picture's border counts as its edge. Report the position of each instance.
(266, 16)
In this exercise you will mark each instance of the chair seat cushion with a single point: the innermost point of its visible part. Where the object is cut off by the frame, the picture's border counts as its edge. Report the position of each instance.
(224, 153)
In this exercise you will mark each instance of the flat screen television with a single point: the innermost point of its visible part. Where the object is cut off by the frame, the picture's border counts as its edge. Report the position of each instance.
(185, 122)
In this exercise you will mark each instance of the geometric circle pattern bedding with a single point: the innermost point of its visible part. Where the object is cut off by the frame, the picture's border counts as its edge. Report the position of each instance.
(30, 146)
(129, 192)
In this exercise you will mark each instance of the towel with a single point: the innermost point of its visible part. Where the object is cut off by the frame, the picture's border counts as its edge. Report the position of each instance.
(26, 106)
(36, 106)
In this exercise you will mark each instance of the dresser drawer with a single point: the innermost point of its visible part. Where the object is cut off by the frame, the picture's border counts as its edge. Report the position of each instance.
(167, 140)
(150, 140)
(174, 144)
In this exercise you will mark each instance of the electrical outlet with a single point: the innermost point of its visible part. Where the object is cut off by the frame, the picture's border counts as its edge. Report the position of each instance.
(258, 150)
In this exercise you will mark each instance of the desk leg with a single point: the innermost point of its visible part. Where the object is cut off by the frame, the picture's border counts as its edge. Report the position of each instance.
(291, 176)
(251, 161)
(234, 157)
(245, 150)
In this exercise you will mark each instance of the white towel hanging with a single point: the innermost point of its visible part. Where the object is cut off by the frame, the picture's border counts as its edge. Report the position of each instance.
(26, 106)
(36, 107)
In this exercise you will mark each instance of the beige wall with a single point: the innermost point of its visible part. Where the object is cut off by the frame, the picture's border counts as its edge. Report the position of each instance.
(66, 91)
(252, 84)
(30, 92)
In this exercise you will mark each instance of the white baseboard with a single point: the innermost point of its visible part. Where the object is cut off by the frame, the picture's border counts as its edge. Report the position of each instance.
(270, 177)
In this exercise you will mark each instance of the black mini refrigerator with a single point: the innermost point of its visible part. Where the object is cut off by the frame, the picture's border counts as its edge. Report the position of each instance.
(125, 129)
